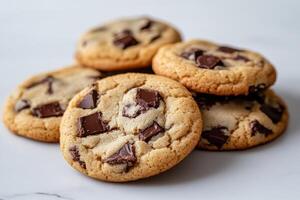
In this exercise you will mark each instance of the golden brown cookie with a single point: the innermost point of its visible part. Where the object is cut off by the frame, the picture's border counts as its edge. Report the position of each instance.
(130, 126)
(34, 110)
(123, 44)
(241, 122)
(211, 68)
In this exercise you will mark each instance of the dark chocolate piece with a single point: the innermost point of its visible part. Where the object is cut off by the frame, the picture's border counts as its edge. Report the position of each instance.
(150, 132)
(92, 125)
(76, 156)
(227, 49)
(125, 39)
(192, 54)
(89, 101)
(126, 155)
(216, 136)
(274, 113)
(209, 62)
(257, 127)
(147, 25)
(52, 109)
(147, 98)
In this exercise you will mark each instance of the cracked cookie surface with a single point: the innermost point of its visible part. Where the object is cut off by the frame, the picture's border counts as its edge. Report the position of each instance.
(241, 122)
(130, 126)
(34, 110)
(211, 68)
(124, 44)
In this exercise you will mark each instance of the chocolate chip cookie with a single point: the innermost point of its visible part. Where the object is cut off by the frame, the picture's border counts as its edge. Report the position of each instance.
(130, 126)
(124, 44)
(241, 122)
(211, 68)
(34, 110)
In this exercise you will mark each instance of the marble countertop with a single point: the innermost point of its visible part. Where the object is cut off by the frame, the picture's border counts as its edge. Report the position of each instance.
(40, 35)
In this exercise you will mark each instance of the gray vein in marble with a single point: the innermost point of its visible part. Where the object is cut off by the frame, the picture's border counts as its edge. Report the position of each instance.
(44, 194)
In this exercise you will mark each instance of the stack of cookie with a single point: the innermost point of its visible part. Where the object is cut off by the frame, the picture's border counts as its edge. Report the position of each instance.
(117, 121)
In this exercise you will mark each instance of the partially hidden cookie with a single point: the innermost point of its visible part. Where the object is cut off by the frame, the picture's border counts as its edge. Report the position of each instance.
(123, 44)
(34, 110)
(138, 126)
(241, 122)
(211, 68)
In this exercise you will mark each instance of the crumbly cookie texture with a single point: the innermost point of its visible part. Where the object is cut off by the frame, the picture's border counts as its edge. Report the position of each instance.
(130, 126)
(241, 122)
(34, 110)
(206, 67)
(124, 44)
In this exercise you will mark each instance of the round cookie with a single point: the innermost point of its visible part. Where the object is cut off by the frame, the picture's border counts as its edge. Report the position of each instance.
(241, 122)
(128, 43)
(140, 125)
(34, 110)
(209, 68)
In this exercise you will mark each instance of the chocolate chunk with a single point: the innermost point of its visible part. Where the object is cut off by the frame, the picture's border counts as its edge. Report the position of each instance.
(274, 113)
(48, 110)
(155, 37)
(147, 25)
(241, 58)
(126, 155)
(92, 125)
(150, 131)
(216, 136)
(192, 54)
(227, 49)
(257, 88)
(257, 127)
(208, 62)
(205, 101)
(125, 39)
(49, 80)
(76, 156)
(147, 98)
(89, 101)
(21, 105)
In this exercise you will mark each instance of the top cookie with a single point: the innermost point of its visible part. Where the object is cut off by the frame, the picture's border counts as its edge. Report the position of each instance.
(139, 125)
(34, 110)
(124, 44)
(210, 68)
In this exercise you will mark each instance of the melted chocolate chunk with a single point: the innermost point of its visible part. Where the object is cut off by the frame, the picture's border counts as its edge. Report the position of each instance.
(242, 58)
(216, 136)
(257, 127)
(126, 155)
(150, 131)
(92, 125)
(125, 39)
(147, 98)
(257, 88)
(209, 62)
(155, 37)
(147, 25)
(21, 105)
(192, 54)
(274, 113)
(76, 156)
(49, 80)
(227, 49)
(48, 110)
(90, 100)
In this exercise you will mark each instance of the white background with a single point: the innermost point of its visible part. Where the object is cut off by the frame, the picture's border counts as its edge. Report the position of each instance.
(36, 36)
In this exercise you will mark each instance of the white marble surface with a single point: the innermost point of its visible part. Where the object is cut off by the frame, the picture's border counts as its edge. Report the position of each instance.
(40, 35)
